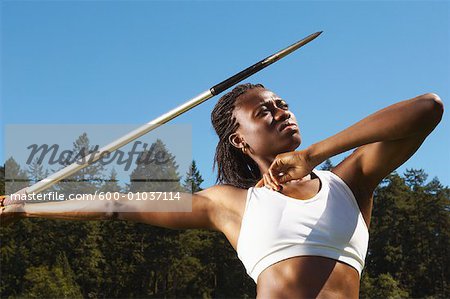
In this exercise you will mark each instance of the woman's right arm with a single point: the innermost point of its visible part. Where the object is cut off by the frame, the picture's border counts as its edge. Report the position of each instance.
(202, 215)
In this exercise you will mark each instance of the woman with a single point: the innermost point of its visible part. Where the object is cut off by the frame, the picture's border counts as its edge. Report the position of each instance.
(300, 232)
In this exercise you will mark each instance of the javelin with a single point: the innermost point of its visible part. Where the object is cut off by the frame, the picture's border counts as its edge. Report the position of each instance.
(144, 129)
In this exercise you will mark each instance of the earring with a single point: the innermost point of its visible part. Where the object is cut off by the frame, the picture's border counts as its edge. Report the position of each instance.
(244, 149)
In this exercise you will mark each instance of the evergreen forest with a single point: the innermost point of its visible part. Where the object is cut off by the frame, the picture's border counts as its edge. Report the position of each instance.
(408, 254)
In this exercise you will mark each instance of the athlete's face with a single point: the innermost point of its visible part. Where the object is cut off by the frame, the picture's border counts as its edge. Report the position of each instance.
(262, 118)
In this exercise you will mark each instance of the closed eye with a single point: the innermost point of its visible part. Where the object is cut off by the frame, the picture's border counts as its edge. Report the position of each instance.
(283, 105)
(263, 110)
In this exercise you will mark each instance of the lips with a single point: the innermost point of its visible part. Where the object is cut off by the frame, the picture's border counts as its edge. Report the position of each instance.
(286, 124)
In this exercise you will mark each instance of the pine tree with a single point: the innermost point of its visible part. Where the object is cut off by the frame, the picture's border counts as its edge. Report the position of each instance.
(13, 256)
(218, 271)
(51, 282)
(79, 241)
(385, 286)
(155, 248)
(193, 179)
(111, 185)
(15, 177)
(408, 251)
(387, 226)
(156, 170)
(86, 180)
(415, 178)
(409, 242)
(36, 171)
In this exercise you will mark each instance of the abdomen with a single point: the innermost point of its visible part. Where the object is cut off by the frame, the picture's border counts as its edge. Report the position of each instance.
(308, 277)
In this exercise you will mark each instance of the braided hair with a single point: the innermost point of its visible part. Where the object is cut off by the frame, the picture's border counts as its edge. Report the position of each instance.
(234, 167)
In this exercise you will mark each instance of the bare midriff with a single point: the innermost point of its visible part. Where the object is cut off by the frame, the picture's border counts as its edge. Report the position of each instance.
(308, 277)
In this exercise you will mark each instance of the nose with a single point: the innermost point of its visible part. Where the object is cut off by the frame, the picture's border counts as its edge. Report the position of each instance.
(282, 114)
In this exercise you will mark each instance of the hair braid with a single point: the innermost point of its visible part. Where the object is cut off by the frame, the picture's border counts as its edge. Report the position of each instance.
(234, 167)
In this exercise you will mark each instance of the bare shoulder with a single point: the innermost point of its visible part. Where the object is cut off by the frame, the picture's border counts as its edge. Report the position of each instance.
(225, 196)
(227, 204)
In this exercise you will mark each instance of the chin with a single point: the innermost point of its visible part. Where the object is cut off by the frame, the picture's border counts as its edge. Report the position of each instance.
(296, 141)
(292, 145)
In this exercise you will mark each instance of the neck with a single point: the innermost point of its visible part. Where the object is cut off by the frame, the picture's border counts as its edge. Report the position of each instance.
(264, 163)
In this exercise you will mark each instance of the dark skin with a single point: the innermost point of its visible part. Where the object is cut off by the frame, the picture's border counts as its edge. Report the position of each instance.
(382, 142)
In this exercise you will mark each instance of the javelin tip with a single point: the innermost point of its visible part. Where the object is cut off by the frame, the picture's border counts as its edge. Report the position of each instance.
(317, 34)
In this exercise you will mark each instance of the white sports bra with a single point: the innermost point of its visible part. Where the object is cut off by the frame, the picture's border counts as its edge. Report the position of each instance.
(275, 227)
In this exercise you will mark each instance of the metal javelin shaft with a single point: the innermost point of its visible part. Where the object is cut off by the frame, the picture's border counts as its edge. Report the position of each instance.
(144, 129)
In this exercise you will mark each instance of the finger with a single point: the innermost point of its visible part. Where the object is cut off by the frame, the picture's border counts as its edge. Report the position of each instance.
(260, 183)
(274, 178)
(273, 182)
(265, 180)
(270, 183)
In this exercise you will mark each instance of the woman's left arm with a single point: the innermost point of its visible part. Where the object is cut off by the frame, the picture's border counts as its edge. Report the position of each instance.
(384, 141)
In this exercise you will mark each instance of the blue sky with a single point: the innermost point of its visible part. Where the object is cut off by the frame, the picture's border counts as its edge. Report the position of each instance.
(117, 62)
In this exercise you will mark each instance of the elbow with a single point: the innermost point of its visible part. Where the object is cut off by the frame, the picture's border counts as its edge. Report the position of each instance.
(438, 104)
(434, 107)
